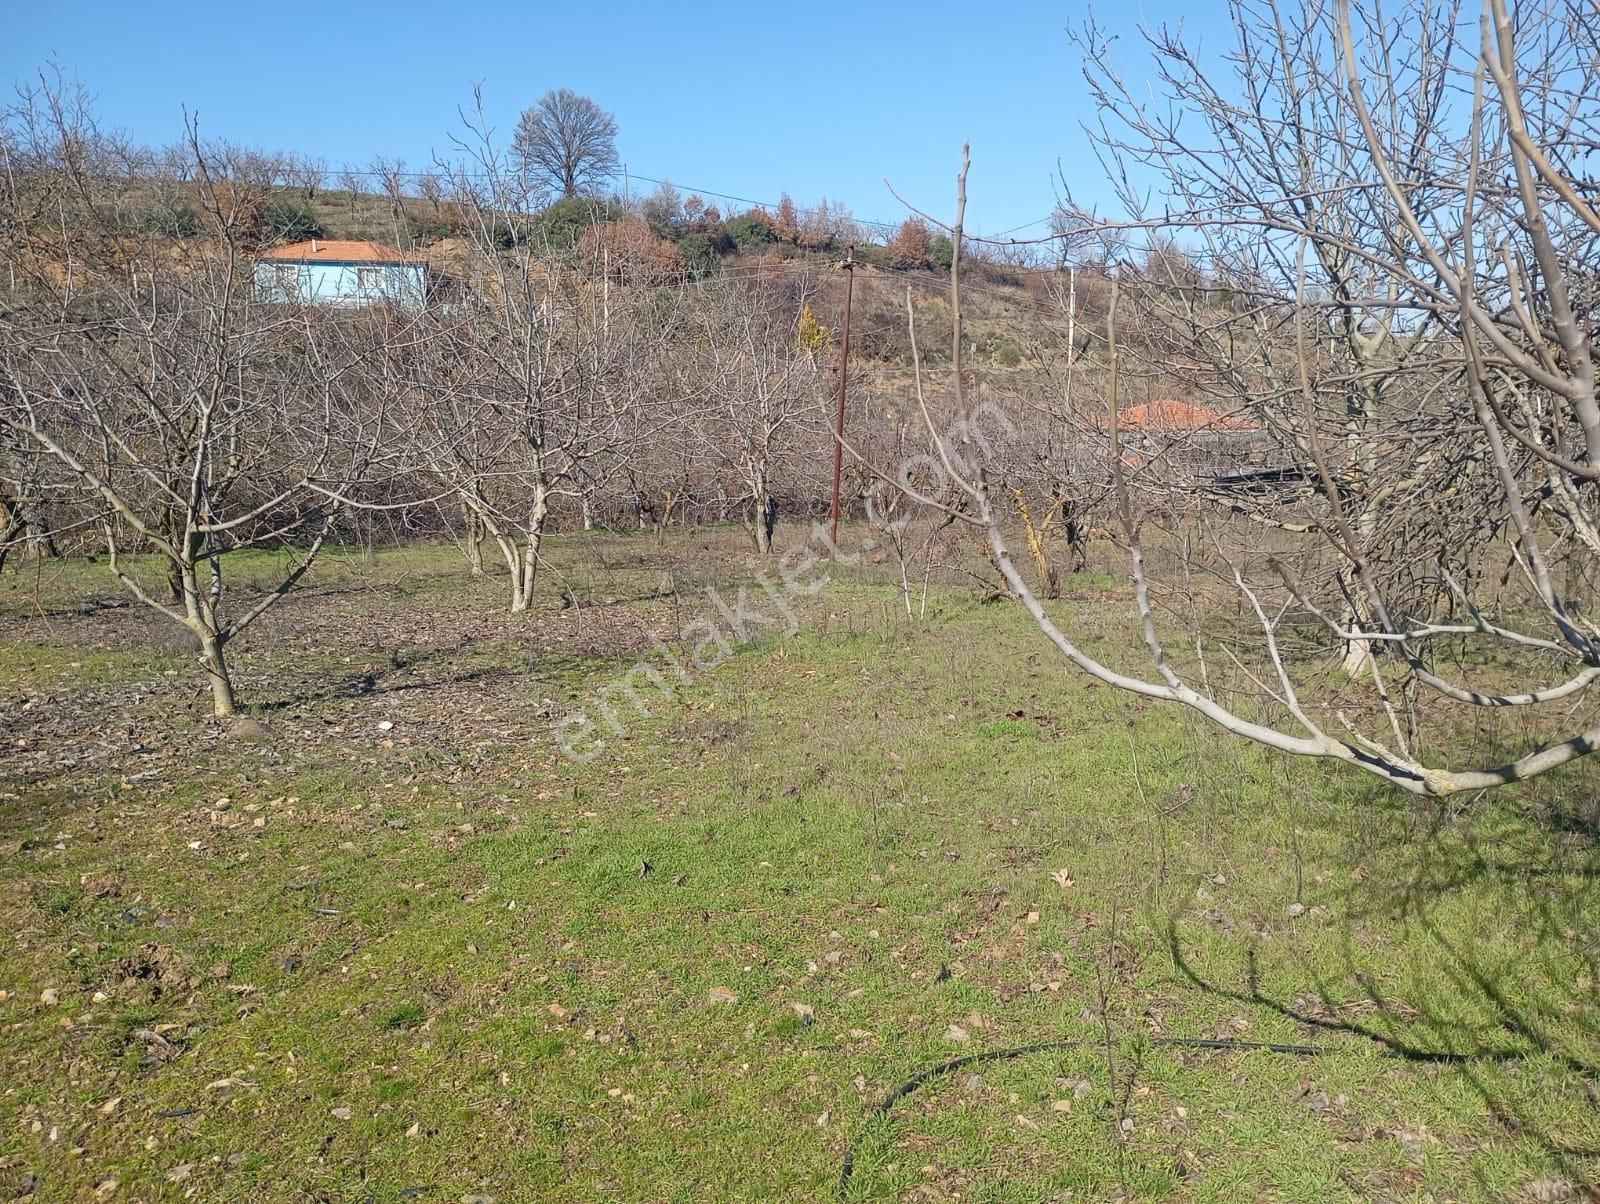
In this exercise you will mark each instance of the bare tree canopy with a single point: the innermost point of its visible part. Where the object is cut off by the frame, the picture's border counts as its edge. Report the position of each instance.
(567, 141)
(1393, 300)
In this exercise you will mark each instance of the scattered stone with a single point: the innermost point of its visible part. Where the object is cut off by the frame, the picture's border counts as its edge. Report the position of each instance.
(1549, 1191)
(244, 727)
(723, 995)
(50, 997)
(1296, 910)
(342, 1113)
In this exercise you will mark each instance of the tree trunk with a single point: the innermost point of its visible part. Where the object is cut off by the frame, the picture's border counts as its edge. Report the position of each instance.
(175, 572)
(42, 541)
(11, 526)
(525, 564)
(475, 536)
(216, 666)
(765, 507)
(524, 574)
(767, 524)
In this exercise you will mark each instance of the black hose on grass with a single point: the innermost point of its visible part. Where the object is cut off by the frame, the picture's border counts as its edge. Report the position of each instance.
(922, 1077)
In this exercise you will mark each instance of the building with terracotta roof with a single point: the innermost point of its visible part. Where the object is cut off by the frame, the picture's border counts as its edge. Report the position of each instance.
(1184, 444)
(1171, 415)
(341, 273)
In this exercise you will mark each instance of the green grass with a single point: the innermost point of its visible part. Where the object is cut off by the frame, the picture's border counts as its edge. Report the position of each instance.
(471, 966)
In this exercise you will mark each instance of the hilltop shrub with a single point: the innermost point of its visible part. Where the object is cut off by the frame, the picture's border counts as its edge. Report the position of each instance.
(176, 221)
(909, 247)
(285, 221)
(560, 226)
(662, 211)
(810, 335)
(751, 229)
(631, 252)
(701, 252)
(1007, 352)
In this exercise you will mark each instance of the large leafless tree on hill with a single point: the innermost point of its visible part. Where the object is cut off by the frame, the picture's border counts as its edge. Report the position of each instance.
(533, 398)
(567, 143)
(1395, 235)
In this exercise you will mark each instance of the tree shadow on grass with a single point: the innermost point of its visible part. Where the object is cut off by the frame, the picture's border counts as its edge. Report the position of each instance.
(374, 683)
(1470, 939)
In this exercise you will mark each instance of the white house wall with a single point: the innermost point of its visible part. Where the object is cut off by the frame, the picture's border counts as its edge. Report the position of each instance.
(338, 284)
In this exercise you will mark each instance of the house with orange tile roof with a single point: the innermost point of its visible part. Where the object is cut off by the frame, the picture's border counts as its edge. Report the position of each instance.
(1170, 415)
(1183, 443)
(341, 273)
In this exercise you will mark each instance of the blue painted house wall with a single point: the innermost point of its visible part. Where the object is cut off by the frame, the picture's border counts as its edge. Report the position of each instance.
(341, 283)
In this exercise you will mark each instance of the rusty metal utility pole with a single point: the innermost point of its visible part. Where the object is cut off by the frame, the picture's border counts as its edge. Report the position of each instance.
(838, 421)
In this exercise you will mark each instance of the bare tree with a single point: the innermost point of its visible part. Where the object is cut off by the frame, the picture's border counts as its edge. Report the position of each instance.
(307, 174)
(431, 188)
(529, 401)
(391, 175)
(25, 523)
(566, 142)
(763, 392)
(180, 417)
(1404, 315)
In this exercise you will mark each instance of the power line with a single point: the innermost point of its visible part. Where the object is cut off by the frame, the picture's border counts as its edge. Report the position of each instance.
(744, 200)
(462, 174)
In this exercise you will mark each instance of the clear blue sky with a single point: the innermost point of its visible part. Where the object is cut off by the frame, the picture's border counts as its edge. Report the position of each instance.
(750, 99)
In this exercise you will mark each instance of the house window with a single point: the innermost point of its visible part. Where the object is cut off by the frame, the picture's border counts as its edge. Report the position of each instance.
(287, 276)
(369, 278)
